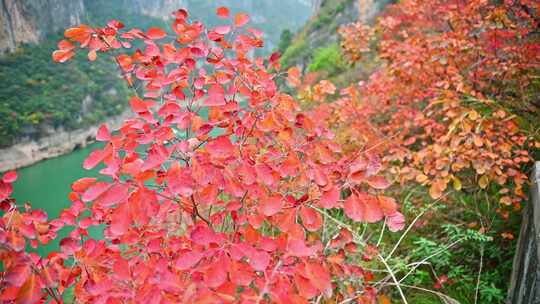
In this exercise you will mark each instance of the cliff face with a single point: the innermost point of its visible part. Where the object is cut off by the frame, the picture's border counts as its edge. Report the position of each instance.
(28, 21)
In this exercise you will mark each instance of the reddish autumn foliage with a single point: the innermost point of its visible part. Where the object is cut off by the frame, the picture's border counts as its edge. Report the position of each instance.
(438, 110)
(218, 184)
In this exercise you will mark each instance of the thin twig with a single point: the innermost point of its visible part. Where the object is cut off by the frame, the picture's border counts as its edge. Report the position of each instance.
(382, 233)
(393, 278)
(479, 275)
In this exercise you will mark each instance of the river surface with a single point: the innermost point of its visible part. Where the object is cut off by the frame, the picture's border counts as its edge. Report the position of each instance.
(46, 185)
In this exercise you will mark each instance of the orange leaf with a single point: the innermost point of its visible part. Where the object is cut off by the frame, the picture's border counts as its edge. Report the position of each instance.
(156, 33)
(378, 182)
(241, 19)
(270, 205)
(222, 12)
(62, 56)
(30, 292)
(92, 55)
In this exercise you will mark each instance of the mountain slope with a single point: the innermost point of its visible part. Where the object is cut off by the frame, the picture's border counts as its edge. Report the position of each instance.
(320, 31)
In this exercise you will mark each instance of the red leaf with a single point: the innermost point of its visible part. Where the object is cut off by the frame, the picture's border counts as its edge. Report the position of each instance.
(354, 209)
(120, 220)
(311, 219)
(320, 177)
(330, 198)
(395, 222)
(241, 19)
(222, 12)
(188, 259)
(9, 177)
(93, 159)
(259, 260)
(204, 235)
(5, 190)
(115, 194)
(373, 212)
(103, 133)
(319, 276)
(388, 205)
(265, 174)
(223, 29)
(305, 288)
(298, 248)
(95, 191)
(138, 105)
(216, 275)
(69, 245)
(156, 33)
(220, 147)
(216, 96)
(121, 269)
(270, 205)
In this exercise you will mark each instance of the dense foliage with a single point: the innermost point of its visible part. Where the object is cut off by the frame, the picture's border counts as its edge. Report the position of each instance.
(451, 109)
(223, 189)
(194, 217)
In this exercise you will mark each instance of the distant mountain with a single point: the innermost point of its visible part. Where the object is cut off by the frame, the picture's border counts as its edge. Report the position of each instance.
(29, 21)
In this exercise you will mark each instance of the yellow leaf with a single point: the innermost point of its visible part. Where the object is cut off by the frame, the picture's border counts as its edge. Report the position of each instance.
(457, 183)
(483, 182)
(473, 115)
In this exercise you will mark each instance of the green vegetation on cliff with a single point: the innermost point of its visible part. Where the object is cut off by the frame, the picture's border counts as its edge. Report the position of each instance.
(36, 94)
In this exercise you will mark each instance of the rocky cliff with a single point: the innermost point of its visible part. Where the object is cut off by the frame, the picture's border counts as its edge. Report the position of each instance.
(28, 21)
(55, 144)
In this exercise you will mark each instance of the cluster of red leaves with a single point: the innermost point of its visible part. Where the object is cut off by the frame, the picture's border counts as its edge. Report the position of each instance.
(217, 184)
(435, 110)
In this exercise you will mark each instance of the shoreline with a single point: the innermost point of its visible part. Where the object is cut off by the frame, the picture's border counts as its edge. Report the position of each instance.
(27, 153)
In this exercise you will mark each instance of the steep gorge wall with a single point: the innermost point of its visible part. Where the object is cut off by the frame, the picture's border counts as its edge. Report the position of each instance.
(28, 21)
